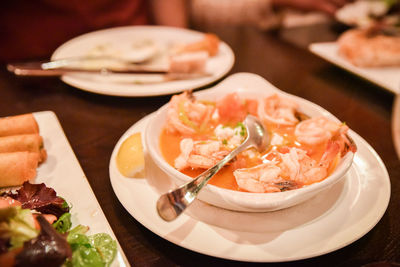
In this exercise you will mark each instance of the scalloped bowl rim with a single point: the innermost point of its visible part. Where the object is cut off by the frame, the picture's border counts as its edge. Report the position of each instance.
(248, 85)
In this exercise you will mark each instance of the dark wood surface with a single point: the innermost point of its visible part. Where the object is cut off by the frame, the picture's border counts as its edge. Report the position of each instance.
(94, 123)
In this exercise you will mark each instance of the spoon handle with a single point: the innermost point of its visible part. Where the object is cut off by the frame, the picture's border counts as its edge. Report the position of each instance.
(170, 205)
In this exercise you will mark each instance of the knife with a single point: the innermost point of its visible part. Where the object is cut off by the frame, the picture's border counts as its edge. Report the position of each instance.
(106, 65)
(60, 67)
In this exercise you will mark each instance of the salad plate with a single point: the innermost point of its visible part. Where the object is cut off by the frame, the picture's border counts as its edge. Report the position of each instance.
(62, 172)
(119, 41)
(386, 77)
(336, 217)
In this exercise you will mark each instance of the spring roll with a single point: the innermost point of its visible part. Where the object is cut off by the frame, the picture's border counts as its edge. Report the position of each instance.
(20, 124)
(17, 167)
(25, 142)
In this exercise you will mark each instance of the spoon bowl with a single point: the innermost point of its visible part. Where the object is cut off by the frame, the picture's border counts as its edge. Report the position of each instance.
(171, 204)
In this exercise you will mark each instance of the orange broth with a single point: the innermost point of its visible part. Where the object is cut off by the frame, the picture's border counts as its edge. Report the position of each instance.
(169, 144)
(170, 149)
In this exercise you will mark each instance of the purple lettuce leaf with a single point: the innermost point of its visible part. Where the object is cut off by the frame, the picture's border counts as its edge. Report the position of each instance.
(48, 249)
(41, 198)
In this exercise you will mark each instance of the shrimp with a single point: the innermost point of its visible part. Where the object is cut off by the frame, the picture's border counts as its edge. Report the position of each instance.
(345, 142)
(287, 170)
(199, 154)
(186, 116)
(299, 167)
(316, 130)
(291, 163)
(278, 110)
(186, 146)
(259, 179)
(336, 147)
(327, 161)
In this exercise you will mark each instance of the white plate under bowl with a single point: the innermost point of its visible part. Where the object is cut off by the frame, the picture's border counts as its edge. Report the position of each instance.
(386, 77)
(331, 220)
(62, 172)
(130, 84)
(251, 86)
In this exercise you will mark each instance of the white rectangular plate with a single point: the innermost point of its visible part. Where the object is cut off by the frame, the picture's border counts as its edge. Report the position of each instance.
(387, 77)
(62, 172)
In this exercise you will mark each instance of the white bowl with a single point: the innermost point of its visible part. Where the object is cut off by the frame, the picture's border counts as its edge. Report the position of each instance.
(246, 85)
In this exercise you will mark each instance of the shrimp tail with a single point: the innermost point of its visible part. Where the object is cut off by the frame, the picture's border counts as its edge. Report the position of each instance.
(346, 143)
(350, 145)
(332, 149)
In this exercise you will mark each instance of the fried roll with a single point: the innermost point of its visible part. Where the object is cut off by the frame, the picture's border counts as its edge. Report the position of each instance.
(17, 167)
(20, 124)
(26, 142)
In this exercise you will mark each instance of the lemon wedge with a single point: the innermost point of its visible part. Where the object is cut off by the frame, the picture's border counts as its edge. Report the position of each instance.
(130, 157)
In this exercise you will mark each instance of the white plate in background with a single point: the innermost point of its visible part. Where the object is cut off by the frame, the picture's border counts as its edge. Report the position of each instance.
(129, 85)
(329, 221)
(386, 77)
(62, 172)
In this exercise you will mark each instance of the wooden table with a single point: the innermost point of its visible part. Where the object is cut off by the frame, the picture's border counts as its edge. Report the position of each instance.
(94, 123)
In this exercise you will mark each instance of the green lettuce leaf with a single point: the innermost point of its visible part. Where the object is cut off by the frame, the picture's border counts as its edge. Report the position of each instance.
(79, 229)
(105, 245)
(84, 256)
(95, 250)
(63, 224)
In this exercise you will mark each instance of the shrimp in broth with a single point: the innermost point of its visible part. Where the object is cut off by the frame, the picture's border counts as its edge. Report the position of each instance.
(302, 151)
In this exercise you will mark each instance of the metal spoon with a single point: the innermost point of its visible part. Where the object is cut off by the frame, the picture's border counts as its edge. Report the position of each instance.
(170, 205)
